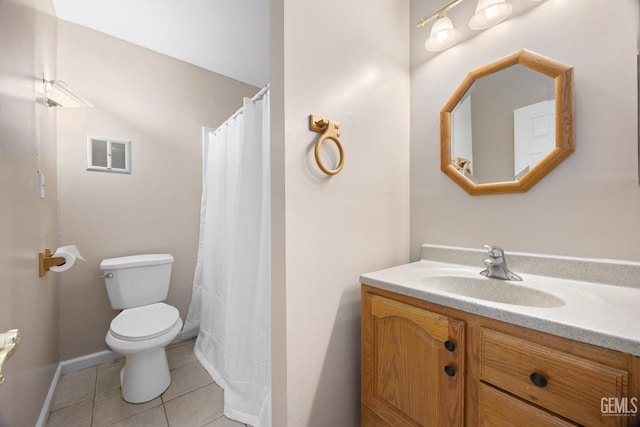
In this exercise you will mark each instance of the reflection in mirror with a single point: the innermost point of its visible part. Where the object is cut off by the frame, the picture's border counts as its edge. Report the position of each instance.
(508, 124)
(499, 138)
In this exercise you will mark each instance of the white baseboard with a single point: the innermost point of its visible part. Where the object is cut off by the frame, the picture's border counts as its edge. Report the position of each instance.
(48, 402)
(72, 365)
(83, 362)
(105, 356)
(88, 361)
(186, 335)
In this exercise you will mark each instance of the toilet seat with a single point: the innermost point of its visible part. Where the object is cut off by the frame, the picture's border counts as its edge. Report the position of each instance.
(144, 322)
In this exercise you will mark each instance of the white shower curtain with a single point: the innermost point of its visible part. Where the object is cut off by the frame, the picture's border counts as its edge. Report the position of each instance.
(231, 301)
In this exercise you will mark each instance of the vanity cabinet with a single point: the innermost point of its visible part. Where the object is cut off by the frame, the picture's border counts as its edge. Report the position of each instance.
(412, 366)
(505, 375)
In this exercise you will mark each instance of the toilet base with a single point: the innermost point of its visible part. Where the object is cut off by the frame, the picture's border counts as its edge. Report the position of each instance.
(145, 376)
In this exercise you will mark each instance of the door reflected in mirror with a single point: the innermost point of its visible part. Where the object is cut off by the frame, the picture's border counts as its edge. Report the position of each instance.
(508, 124)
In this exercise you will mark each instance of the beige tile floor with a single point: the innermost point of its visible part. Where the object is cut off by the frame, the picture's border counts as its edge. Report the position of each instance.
(91, 397)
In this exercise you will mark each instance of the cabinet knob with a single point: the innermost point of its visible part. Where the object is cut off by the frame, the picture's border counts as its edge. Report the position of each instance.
(538, 379)
(449, 370)
(450, 345)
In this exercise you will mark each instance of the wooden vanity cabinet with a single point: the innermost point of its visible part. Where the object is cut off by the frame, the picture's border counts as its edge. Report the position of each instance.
(412, 365)
(505, 375)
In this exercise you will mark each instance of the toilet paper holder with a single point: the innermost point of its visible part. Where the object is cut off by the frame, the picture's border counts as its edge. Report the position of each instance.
(61, 260)
(46, 260)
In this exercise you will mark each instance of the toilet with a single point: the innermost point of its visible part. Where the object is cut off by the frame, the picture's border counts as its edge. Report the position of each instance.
(137, 285)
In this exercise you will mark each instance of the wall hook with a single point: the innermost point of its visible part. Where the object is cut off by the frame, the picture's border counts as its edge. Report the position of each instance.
(330, 130)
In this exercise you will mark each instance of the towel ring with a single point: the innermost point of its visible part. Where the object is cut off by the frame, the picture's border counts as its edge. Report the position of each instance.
(331, 130)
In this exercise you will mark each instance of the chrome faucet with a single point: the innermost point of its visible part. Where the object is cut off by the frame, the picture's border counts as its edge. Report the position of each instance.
(497, 265)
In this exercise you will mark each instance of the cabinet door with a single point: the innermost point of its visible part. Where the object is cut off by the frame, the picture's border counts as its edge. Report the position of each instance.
(410, 377)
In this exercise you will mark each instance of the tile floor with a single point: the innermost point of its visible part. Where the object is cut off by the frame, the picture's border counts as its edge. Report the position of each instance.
(91, 397)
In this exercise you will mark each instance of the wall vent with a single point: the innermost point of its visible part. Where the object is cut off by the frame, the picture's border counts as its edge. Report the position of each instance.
(108, 155)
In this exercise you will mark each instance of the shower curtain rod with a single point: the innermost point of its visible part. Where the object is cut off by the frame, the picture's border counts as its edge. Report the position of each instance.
(255, 98)
(261, 93)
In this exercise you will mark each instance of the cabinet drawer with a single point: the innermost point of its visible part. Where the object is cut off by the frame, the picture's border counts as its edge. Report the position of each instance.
(499, 409)
(570, 386)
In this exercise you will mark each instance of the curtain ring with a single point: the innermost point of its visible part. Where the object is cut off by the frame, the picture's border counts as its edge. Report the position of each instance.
(331, 130)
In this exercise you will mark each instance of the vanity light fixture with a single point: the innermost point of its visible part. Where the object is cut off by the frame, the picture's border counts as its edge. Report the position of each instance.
(438, 13)
(443, 35)
(489, 13)
(58, 94)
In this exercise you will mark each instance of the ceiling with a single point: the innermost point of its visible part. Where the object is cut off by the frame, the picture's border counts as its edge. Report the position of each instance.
(228, 37)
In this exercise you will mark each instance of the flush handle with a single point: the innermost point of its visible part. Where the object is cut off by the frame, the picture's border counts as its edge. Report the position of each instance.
(107, 276)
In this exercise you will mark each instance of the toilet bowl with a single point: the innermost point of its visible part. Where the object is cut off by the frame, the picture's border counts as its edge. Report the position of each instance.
(141, 335)
(137, 285)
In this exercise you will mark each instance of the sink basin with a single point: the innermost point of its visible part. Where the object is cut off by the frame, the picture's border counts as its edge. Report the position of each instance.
(489, 289)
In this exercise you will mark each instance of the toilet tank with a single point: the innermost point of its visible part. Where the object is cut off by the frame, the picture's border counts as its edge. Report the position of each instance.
(137, 280)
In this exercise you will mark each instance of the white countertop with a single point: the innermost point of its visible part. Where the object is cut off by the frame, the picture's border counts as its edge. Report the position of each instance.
(607, 315)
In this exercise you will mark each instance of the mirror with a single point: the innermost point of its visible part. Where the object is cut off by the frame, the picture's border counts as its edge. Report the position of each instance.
(508, 124)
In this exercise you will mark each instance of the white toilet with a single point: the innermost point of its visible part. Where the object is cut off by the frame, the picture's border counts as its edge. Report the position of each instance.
(138, 284)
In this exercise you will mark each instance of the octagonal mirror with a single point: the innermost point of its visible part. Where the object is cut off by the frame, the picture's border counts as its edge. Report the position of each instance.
(508, 124)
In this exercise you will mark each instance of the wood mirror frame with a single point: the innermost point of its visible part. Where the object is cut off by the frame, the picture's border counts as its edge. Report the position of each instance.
(564, 124)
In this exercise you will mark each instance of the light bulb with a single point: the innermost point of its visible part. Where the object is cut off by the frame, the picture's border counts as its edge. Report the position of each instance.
(489, 13)
(442, 36)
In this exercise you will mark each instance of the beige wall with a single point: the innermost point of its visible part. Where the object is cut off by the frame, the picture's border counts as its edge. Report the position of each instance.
(27, 223)
(589, 205)
(348, 62)
(159, 104)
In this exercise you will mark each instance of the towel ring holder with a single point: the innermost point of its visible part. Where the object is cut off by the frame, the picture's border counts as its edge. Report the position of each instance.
(331, 130)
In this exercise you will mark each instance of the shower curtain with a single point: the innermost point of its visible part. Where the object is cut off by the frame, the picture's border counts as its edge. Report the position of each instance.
(231, 303)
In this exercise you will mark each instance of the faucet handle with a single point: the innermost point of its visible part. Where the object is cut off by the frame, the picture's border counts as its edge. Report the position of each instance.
(494, 251)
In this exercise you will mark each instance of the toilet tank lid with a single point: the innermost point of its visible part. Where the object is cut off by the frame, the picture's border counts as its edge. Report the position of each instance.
(135, 261)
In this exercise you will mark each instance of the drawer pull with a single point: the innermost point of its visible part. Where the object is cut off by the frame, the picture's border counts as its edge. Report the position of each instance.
(538, 379)
(449, 370)
(450, 345)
